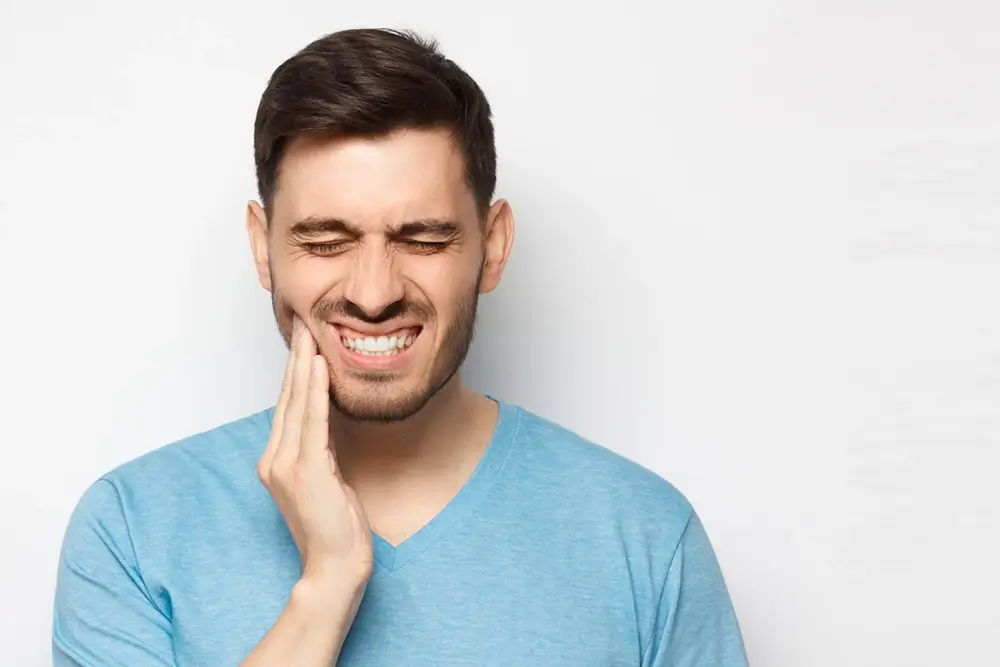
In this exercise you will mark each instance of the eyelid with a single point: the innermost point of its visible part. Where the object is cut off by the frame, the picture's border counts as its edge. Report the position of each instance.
(334, 246)
(325, 246)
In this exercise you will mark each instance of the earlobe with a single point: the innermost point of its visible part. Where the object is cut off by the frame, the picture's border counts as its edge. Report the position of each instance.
(499, 241)
(257, 232)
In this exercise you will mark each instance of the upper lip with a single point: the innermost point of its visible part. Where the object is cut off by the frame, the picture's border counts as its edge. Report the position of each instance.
(345, 328)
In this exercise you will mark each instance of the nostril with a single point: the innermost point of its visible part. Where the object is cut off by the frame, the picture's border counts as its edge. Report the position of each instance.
(374, 314)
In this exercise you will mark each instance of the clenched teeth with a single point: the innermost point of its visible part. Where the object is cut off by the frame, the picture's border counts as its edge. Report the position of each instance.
(379, 346)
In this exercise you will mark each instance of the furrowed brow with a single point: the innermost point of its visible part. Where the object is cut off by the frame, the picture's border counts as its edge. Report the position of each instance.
(316, 226)
(428, 227)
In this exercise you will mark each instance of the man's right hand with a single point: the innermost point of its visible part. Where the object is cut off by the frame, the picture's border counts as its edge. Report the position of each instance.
(299, 470)
(323, 514)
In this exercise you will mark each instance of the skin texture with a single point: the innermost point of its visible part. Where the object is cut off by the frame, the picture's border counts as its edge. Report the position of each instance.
(369, 235)
(380, 273)
(323, 514)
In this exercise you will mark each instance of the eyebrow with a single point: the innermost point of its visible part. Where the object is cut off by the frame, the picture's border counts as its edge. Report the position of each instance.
(431, 226)
(315, 226)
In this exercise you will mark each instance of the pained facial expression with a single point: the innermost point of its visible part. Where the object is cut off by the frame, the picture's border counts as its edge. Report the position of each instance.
(377, 245)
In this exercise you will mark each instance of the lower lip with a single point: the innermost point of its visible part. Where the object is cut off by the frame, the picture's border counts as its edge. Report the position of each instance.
(371, 362)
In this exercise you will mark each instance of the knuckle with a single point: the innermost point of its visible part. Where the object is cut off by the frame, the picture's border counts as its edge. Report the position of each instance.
(285, 472)
(264, 472)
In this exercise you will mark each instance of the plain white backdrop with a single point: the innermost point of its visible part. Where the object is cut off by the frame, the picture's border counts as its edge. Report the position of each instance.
(757, 251)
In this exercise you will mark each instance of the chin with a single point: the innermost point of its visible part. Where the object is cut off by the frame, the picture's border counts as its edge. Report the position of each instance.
(379, 402)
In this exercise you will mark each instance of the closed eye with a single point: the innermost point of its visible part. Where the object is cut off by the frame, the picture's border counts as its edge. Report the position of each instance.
(335, 247)
(328, 248)
(428, 246)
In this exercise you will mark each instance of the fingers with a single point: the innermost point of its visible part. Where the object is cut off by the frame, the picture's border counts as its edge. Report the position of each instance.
(316, 425)
(359, 509)
(279, 411)
(286, 427)
(286, 385)
(298, 393)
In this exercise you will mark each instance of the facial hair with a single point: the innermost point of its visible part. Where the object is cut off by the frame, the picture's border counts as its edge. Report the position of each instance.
(368, 396)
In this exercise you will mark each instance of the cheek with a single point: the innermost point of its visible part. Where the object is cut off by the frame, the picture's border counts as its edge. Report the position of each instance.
(302, 284)
(444, 275)
(451, 288)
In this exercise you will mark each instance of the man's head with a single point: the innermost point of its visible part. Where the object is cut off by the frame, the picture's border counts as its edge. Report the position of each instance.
(376, 168)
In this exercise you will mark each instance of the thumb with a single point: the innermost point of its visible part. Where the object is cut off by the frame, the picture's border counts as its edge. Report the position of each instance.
(332, 460)
(353, 498)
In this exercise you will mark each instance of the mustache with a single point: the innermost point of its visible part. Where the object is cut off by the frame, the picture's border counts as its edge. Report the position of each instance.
(327, 310)
(350, 310)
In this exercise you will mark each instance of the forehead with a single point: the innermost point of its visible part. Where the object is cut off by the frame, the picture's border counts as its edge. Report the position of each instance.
(374, 182)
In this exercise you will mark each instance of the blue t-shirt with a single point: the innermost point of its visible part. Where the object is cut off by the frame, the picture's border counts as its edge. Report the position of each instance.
(556, 552)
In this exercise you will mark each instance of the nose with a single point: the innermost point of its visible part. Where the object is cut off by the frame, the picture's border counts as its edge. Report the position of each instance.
(374, 283)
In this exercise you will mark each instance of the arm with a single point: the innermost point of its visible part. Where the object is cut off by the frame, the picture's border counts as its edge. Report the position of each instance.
(323, 514)
(104, 614)
(311, 629)
(696, 625)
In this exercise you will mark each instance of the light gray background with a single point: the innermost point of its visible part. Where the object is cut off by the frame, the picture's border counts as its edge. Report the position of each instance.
(757, 251)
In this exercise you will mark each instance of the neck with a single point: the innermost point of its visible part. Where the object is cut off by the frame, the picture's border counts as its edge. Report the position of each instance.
(452, 428)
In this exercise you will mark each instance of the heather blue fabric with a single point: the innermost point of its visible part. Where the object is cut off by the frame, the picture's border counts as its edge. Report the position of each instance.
(557, 552)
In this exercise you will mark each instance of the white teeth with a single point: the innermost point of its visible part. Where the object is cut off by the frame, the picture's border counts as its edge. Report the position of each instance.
(380, 346)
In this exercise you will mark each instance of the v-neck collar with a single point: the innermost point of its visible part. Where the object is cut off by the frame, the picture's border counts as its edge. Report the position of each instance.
(392, 558)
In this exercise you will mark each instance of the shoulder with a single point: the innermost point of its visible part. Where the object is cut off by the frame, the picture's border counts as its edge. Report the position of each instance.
(176, 477)
(610, 516)
(225, 448)
(577, 462)
(585, 475)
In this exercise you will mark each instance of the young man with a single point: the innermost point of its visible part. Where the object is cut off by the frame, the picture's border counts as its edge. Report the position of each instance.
(382, 513)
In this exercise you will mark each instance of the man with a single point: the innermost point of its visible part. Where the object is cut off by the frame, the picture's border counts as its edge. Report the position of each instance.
(382, 513)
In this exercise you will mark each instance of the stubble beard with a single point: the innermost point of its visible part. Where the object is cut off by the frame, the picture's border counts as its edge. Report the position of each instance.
(368, 396)
(372, 398)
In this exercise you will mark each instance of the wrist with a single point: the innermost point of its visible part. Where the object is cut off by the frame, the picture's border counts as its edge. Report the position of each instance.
(320, 590)
(339, 575)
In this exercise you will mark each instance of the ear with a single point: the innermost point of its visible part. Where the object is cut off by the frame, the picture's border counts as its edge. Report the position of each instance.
(499, 240)
(257, 231)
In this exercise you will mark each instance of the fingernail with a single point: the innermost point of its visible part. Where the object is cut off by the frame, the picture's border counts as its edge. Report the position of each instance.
(296, 324)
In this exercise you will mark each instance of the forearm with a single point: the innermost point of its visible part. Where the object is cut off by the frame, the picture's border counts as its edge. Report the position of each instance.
(311, 629)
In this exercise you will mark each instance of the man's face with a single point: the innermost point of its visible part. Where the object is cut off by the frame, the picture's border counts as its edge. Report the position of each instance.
(376, 244)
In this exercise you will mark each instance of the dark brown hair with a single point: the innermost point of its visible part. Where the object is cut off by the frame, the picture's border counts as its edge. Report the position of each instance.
(369, 82)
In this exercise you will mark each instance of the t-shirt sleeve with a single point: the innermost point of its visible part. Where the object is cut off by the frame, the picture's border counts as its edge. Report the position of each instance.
(696, 625)
(104, 616)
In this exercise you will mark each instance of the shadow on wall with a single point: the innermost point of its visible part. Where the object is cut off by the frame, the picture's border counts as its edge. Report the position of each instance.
(536, 334)
(514, 325)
